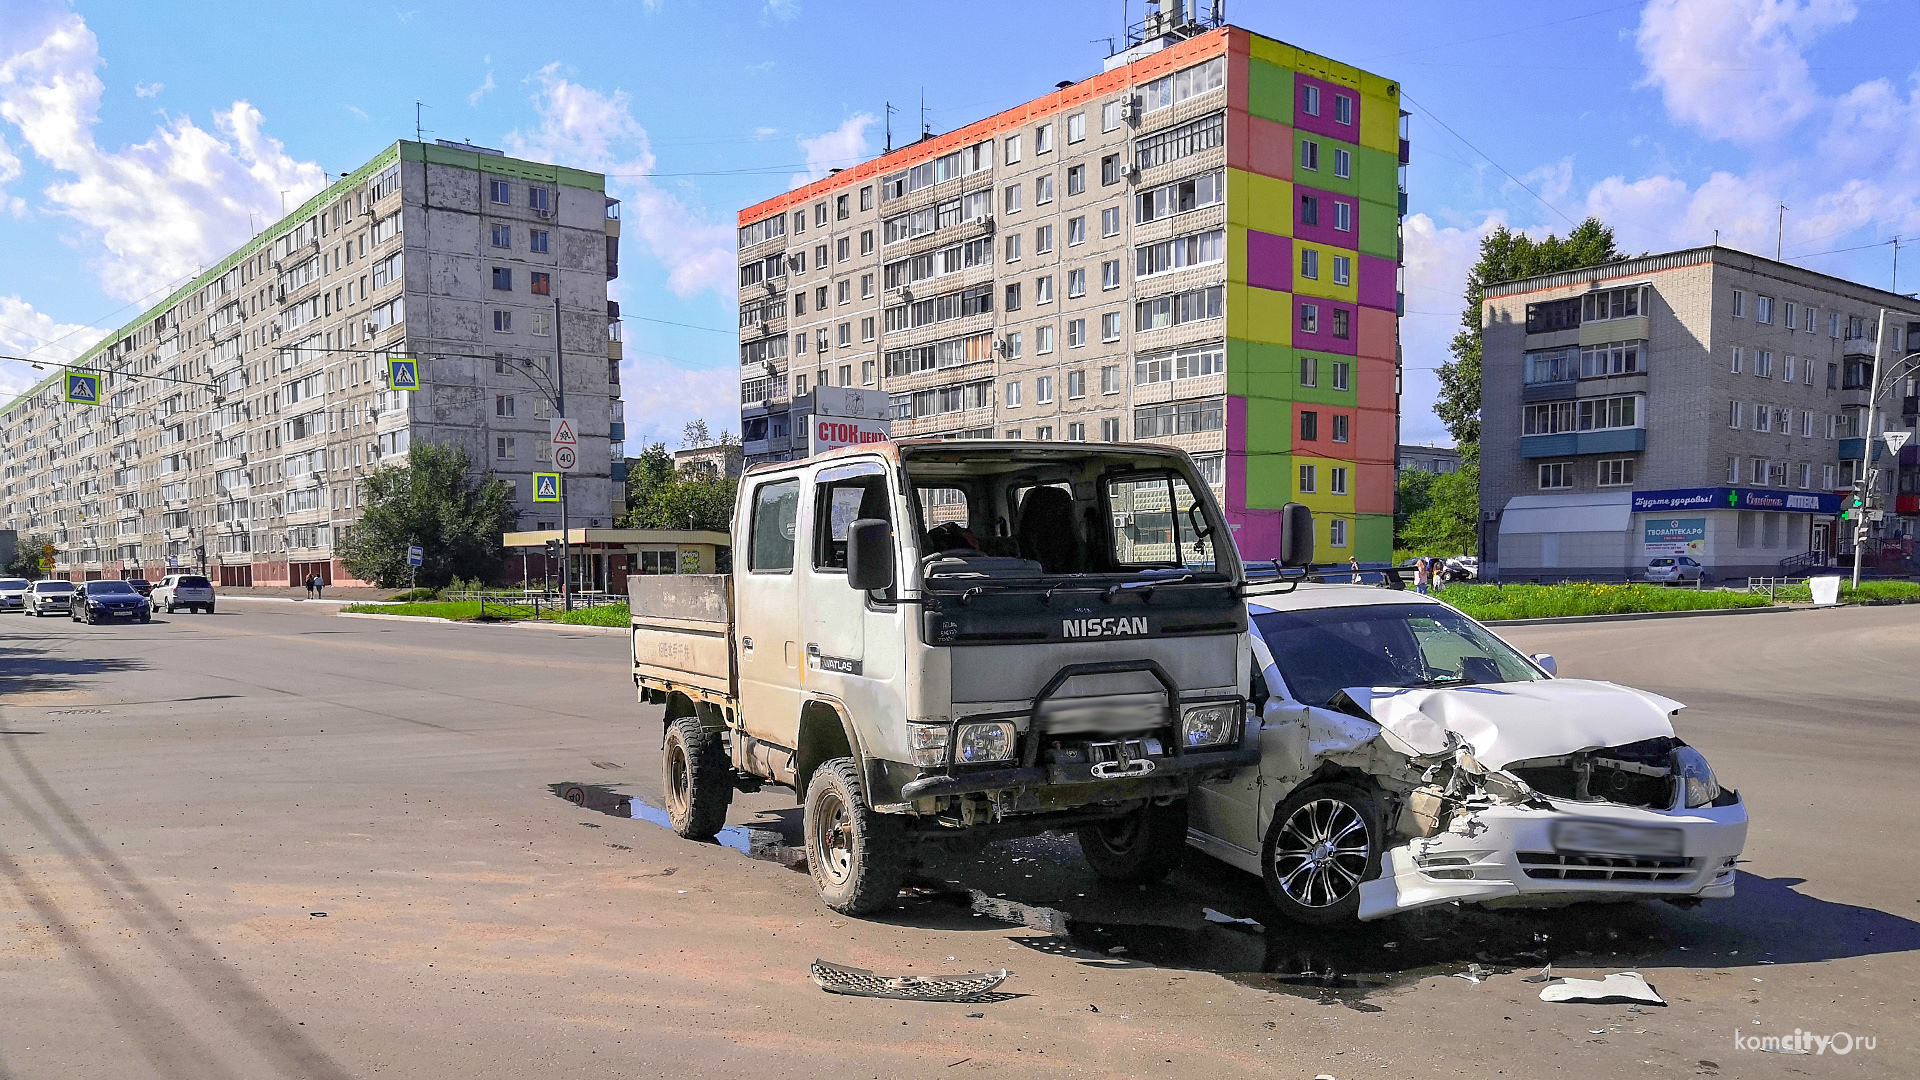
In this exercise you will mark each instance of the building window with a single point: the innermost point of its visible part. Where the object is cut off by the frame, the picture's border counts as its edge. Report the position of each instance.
(1341, 323)
(1077, 127)
(1076, 383)
(1806, 475)
(1733, 414)
(1110, 221)
(1763, 309)
(1763, 418)
(1309, 263)
(843, 207)
(866, 328)
(1616, 472)
(1013, 394)
(1740, 305)
(1341, 423)
(1013, 297)
(1342, 216)
(537, 240)
(1342, 163)
(843, 249)
(1012, 155)
(502, 236)
(503, 322)
(500, 192)
(866, 241)
(1110, 430)
(1309, 479)
(1310, 318)
(1792, 314)
(1043, 432)
(1826, 477)
(1342, 109)
(1043, 240)
(1309, 426)
(1342, 270)
(1337, 532)
(503, 448)
(1310, 155)
(1733, 470)
(1738, 360)
(866, 373)
(1076, 433)
(1043, 343)
(1043, 139)
(1110, 379)
(503, 405)
(1043, 388)
(537, 199)
(1309, 371)
(866, 286)
(1310, 100)
(1340, 370)
(1013, 434)
(844, 334)
(1110, 170)
(1337, 480)
(1043, 289)
(1076, 179)
(1555, 476)
(540, 284)
(1076, 282)
(538, 322)
(843, 292)
(1013, 247)
(1110, 326)
(1042, 190)
(1076, 231)
(503, 279)
(1763, 364)
(1309, 209)
(1788, 369)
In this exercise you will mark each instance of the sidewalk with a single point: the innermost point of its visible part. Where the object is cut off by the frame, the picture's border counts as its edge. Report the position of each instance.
(345, 594)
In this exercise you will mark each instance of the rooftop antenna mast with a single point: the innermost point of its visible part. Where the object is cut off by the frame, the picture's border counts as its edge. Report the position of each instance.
(419, 134)
(924, 129)
(890, 111)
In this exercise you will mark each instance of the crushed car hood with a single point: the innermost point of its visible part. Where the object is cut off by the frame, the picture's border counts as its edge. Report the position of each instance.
(1509, 722)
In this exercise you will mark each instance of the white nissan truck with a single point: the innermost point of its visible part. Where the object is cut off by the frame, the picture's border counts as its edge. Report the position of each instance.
(951, 642)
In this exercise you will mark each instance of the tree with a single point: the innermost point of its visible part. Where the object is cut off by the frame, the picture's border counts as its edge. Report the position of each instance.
(26, 557)
(687, 499)
(1447, 524)
(653, 468)
(695, 434)
(1413, 492)
(435, 501)
(1504, 256)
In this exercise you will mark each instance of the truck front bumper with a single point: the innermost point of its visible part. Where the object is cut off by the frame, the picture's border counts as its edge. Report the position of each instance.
(1182, 766)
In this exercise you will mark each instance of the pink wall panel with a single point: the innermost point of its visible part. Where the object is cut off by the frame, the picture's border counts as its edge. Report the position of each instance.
(1379, 333)
(1375, 387)
(1238, 141)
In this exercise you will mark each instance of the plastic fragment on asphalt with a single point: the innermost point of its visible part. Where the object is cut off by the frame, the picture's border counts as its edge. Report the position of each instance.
(859, 982)
(1620, 987)
(1224, 919)
(1544, 976)
(1474, 974)
(1044, 919)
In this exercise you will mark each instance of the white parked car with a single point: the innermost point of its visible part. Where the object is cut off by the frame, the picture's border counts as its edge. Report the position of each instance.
(13, 593)
(1410, 757)
(190, 591)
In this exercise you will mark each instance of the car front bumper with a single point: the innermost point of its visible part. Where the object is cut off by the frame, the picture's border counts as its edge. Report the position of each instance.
(1509, 858)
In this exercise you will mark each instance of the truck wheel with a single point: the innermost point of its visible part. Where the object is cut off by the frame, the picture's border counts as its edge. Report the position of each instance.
(1139, 848)
(1324, 841)
(698, 783)
(854, 854)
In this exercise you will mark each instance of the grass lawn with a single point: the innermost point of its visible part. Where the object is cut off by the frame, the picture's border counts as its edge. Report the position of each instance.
(1869, 592)
(469, 611)
(1586, 598)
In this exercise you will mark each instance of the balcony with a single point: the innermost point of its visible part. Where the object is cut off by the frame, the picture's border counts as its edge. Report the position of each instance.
(1577, 443)
(1852, 449)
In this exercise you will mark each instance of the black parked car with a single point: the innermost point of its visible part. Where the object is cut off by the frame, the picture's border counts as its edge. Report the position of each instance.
(141, 585)
(96, 600)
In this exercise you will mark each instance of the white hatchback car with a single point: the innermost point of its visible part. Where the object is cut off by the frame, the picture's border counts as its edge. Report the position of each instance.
(190, 591)
(1410, 757)
(13, 593)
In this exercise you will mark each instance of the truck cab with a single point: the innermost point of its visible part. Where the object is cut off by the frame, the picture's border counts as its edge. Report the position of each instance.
(953, 642)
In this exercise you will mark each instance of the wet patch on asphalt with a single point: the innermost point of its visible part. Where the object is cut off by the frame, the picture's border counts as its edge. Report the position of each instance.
(766, 844)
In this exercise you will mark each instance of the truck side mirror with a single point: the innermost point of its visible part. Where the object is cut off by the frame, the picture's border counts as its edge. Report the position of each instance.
(1296, 535)
(870, 554)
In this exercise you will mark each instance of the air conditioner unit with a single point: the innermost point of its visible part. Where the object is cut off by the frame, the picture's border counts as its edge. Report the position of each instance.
(766, 329)
(1132, 110)
(369, 329)
(987, 223)
(1132, 173)
(770, 287)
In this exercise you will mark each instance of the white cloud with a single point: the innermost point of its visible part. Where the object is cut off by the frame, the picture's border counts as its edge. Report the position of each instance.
(161, 208)
(1438, 259)
(481, 91)
(782, 10)
(836, 149)
(358, 113)
(151, 89)
(662, 396)
(587, 129)
(1734, 68)
(35, 335)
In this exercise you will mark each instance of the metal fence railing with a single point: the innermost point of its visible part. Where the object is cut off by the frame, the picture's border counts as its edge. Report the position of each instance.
(1771, 586)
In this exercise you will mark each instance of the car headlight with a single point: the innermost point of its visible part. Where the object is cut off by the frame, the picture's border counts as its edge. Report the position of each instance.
(1697, 782)
(929, 743)
(1209, 725)
(984, 742)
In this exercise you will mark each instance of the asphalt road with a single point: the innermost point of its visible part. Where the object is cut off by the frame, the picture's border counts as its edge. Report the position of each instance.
(276, 843)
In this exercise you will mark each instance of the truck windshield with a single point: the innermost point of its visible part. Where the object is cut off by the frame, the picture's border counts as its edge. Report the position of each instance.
(989, 513)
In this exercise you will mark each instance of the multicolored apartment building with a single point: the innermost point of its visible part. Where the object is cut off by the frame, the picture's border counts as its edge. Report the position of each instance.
(1199, 246)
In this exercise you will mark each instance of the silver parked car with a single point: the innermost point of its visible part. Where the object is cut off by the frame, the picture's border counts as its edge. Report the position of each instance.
(1676, 568)
(50, 597)
(13, 593)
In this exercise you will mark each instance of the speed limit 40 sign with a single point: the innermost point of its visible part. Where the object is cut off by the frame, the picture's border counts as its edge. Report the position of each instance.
(565, 458)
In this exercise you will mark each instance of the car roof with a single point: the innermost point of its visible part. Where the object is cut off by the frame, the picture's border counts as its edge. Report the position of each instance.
(1311, 595)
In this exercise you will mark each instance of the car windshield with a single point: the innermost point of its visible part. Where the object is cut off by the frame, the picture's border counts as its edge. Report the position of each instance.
(106, 588)
(53, 586)
(1323, 651)
(13, 583)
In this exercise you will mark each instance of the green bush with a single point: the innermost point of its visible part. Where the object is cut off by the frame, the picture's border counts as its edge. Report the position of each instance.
(414, 594)
(603, 615)
(1586, 598)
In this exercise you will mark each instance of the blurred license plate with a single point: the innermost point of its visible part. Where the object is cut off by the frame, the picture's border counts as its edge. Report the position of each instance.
(1606, 838)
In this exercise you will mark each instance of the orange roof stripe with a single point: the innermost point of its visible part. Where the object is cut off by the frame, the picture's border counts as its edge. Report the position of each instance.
(1145, 69)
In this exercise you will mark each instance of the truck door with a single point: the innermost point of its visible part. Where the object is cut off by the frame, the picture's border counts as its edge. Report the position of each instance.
(768, 615)
(836, 615)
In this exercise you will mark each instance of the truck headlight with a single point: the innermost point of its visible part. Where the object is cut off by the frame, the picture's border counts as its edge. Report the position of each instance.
(1209, 725)
(984, 742)
(929, 743)
(1697, 783)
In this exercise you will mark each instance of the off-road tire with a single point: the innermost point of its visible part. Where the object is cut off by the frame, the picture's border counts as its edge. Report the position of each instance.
(856, 856)
(696, 779)
(1341, 801)
(1139, 848)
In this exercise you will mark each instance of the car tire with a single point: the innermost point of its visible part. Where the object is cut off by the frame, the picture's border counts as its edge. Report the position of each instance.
(697, 781)
(856, 856)
(1138, 848)
(146, 616)
(1313, 861)
(209, 609)
(169, 609)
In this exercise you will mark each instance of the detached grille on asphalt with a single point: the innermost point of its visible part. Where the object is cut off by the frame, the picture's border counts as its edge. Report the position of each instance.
(1555, 867)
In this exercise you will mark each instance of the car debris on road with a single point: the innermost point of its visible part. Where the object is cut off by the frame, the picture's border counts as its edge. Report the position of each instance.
(1615, 989)
(859, 982)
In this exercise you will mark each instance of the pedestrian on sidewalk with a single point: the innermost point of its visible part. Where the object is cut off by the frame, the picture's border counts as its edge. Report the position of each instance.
(317, 586)
(1420, 575)
(1353, 561)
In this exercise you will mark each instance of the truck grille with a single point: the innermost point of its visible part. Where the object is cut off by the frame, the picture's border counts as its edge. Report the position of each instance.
(1552, 866)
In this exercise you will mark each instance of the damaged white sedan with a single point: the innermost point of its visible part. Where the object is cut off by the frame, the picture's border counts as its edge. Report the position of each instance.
(1410, 757)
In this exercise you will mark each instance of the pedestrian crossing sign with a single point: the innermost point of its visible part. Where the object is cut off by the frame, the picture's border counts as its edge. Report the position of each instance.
(403, 374)
(546, 487)
(83, 389)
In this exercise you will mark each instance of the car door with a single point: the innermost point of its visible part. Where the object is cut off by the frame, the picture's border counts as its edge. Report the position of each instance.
(767, 612)
(1229, 810)
(836, 615)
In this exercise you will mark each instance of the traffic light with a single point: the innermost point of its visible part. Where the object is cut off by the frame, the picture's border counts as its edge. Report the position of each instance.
(553, 549)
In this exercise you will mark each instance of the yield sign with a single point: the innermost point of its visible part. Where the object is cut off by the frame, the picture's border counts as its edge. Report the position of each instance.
(1895, 440)
(563, 433)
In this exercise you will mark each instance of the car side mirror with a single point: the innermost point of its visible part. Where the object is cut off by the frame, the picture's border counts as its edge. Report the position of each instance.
(1296, 535)
(1545, 660)
(870, 554)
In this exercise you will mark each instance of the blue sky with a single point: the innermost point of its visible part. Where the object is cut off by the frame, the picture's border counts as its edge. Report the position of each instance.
(137, 145)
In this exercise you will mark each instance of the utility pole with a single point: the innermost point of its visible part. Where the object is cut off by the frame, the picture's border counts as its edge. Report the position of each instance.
(560, 403)
(1866, 452)
(1780, 232)
(1896, 265)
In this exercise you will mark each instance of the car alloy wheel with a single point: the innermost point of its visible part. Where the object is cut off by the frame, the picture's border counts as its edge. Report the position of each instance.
(1321, 853)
